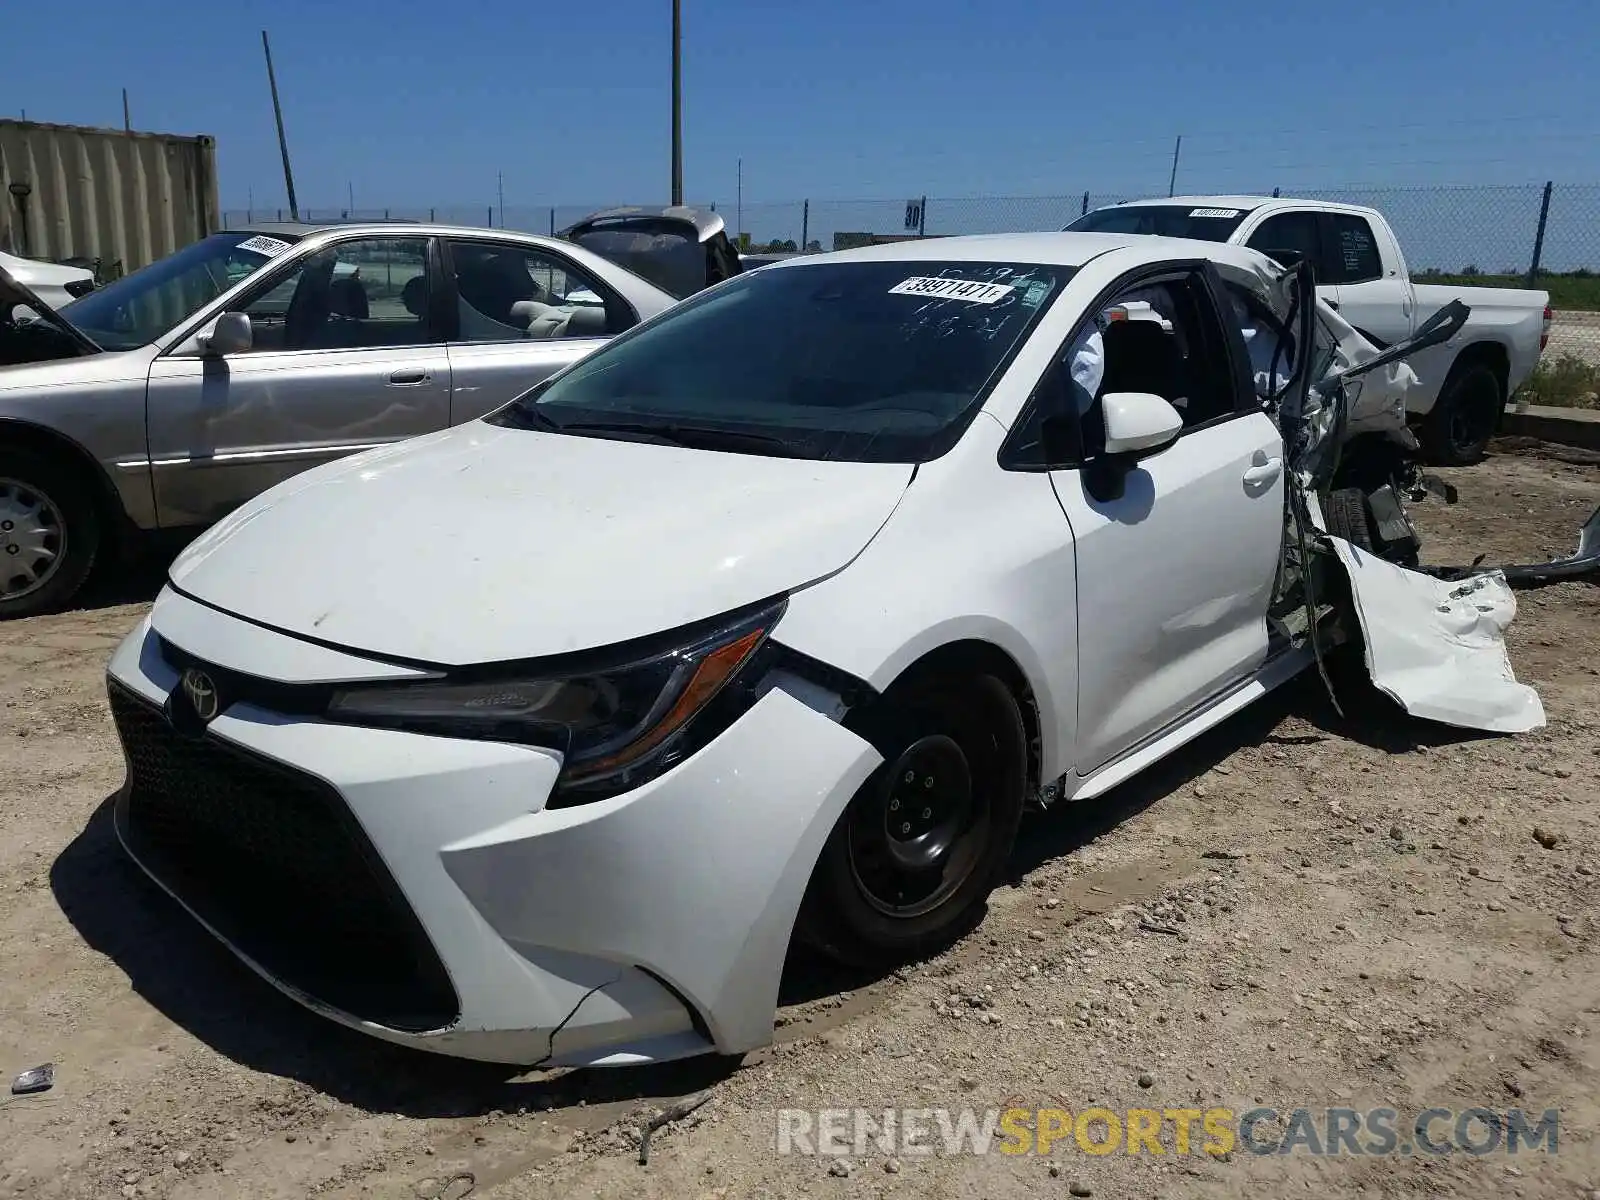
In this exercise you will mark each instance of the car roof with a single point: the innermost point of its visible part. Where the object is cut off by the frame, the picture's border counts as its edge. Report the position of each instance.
(1242, 202)
(300, 229)
(1061, 249)
(706, 222)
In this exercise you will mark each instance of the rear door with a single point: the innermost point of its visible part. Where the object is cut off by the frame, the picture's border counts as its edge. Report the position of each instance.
(1175, 575)
(346, 356)
(516, 315)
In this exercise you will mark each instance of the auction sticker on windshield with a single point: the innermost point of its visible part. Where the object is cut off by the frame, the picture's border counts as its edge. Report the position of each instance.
(971, 290)
(262, 244)
(1224, 214)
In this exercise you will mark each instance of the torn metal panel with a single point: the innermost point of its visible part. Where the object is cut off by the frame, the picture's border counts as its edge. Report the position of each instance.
(1436, 647)
(1377, 401)
(1582, 563)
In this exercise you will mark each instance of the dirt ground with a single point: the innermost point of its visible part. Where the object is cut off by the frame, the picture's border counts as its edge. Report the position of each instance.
(1298, 910)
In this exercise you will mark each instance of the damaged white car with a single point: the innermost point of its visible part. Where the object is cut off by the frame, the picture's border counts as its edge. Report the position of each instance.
(537, 740)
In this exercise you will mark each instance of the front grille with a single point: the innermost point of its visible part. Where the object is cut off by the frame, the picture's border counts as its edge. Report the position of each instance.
(275, 862)
(235, 687)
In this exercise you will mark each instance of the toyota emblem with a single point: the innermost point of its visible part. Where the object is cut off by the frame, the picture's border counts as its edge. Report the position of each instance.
(202, 693)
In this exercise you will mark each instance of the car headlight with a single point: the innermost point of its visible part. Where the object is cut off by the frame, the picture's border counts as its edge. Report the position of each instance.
(616, 720)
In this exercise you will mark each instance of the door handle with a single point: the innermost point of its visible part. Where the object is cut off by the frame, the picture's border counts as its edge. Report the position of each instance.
(1263, 473)
(408, 377)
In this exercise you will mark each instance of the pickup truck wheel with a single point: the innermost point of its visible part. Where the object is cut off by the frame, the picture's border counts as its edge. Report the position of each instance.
(908, 867)
(1457, 432)
(49, 534)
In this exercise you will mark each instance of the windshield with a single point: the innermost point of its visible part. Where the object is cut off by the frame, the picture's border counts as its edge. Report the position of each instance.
(138, 308)
(1163, 220)
(869, 361)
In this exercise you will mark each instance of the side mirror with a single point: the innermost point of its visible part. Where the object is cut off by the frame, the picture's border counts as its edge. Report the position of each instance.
(231, 334)
(1138, 423)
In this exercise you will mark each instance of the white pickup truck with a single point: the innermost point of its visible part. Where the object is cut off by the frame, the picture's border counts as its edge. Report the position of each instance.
(1463, 384)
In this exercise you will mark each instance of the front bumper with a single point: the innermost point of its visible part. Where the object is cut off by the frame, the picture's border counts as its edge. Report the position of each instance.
(645, 927)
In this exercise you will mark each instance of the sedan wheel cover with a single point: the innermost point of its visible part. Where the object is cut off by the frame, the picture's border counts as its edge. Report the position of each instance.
(33, 539)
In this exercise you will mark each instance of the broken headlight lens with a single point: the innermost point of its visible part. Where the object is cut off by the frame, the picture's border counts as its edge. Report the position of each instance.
(615, 723)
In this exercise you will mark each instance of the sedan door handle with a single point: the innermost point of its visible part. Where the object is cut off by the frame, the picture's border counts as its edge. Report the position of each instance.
(409, 377)
(1263, 474)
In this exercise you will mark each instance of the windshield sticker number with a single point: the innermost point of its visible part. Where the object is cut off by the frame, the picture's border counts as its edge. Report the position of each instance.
(1221, 213)
(262, 244)
(971, 290)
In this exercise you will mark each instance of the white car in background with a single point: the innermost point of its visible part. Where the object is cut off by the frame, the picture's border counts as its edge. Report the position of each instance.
(55, 284)
(535, 740)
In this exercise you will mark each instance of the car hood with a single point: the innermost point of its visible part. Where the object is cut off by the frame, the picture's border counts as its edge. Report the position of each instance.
(486, 544)
(13, 292)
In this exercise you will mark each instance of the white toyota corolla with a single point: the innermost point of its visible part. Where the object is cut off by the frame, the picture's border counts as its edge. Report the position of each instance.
(537, 739)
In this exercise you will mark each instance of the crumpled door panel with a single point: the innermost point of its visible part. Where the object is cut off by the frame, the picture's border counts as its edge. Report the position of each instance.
(1436, 647)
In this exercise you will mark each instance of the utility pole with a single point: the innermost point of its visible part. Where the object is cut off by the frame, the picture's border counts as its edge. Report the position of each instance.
(738, 201)
(283, 142)
(350, 197)
(127, 124)
(677, 102)
(1172, 180)
(500, 190)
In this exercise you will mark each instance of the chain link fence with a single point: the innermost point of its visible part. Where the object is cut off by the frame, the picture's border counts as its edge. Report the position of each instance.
(1547, 236)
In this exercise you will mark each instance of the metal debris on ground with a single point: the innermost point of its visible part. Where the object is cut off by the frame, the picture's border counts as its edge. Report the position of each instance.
(443, 1189)
(35, 1080)
(673, 1112)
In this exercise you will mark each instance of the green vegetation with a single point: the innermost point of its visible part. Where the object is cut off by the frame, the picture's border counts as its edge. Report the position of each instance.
(1573, 290)
(1569, 382)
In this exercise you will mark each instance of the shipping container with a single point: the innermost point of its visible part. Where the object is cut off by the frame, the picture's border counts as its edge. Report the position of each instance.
(124, 198)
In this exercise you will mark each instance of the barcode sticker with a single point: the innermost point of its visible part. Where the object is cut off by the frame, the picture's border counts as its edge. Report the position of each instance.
(262, 244)
(971, 290)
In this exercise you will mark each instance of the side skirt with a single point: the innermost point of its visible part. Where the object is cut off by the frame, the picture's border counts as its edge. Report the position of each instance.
(1276, 671)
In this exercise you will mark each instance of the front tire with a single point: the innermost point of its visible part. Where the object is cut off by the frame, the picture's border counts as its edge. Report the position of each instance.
(49, 533)
(910, 864)
(1457, 432)
(1346, 514)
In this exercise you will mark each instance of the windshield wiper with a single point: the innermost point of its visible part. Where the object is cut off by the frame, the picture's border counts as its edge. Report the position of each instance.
(528, 416)
(698, 437)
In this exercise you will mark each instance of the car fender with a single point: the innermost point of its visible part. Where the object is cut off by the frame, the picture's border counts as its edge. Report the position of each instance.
(973, 553)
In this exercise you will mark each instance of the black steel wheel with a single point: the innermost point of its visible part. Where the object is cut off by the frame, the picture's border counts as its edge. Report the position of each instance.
(1457, 432)
(912, 860)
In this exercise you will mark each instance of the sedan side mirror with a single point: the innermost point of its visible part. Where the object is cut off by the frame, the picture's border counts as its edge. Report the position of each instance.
(231, 334)
(1138, 424)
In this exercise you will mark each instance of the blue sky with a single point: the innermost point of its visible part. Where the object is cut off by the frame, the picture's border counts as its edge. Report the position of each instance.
(411, 103)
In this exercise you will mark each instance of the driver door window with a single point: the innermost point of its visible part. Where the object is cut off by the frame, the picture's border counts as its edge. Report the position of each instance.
(1288, 238)
(365, 294)
(1160, 338)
